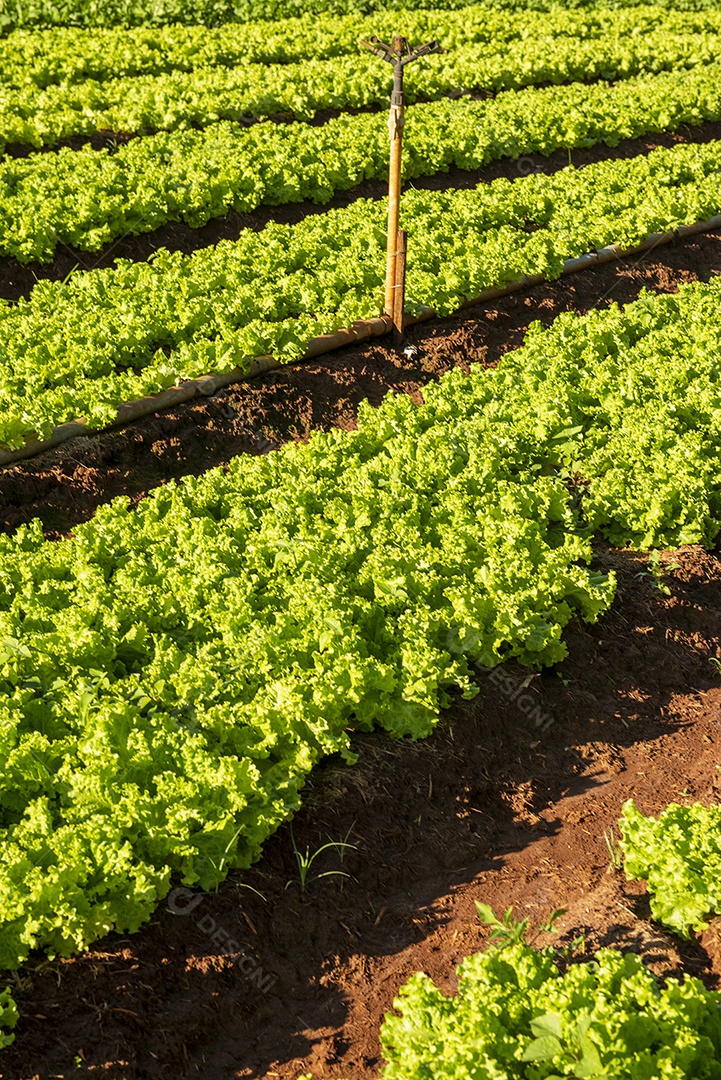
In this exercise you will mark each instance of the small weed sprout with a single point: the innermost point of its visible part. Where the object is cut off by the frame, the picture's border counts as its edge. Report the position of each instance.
(243, 885)
(344, 843)
(577, 945)
(615, 851)
(510, 931)
(656, 570)
(305, 860)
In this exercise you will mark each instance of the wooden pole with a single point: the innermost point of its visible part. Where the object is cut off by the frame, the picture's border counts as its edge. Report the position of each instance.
(399, 289)
(399, 53)
(396, 120)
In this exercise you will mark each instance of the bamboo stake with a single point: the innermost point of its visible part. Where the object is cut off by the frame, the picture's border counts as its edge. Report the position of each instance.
(396, 123)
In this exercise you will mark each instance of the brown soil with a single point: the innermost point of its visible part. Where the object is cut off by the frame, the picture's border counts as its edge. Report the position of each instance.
(497, 805)
(17, 279)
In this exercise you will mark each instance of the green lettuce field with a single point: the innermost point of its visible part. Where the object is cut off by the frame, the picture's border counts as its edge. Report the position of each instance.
(231, 629)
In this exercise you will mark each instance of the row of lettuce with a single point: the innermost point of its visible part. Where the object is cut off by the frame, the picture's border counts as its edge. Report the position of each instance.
(83, 346)
(514, 1010)
(36, 60)
(170, 675)
(159, 713)
(679, 856)
(146, 103)
(516, 1016)
(107, 13)
(87, 198)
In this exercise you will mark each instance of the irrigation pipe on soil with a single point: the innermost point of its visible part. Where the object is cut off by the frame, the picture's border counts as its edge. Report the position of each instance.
(207, 385)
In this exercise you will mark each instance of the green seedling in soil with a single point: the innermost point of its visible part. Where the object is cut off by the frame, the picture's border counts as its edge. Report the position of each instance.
(242, 885)
(614, 849)
(577, 945)
(549, 1041)
(510, 931)
(716, 662)
(656, 570)
(224, 858)
(344, 844)
(305, 860)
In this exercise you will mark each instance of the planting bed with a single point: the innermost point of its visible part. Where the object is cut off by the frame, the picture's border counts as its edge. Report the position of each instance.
(506, 803)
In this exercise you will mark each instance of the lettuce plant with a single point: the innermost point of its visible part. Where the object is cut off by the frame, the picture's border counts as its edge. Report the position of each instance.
(679, 855)
(516, 1016)
(169, 676)
(101, 13)
(82, 347)
(181, 99)
(70, 54)
(8, 1018)
(86, 198)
